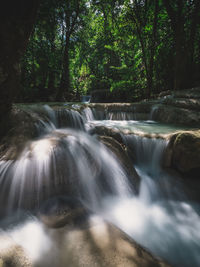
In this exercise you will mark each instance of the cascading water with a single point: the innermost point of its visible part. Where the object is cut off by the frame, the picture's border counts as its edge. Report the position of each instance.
(61, 161)
(160, 218)
(65, 160)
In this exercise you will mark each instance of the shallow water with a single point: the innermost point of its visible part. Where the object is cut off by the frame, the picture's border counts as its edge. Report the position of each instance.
(147, 127)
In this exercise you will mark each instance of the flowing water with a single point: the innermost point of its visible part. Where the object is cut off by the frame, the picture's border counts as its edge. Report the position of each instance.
(66, 160)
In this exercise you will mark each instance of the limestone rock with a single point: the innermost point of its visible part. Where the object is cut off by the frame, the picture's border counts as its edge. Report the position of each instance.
(176, 115)
(98, 244)
(62, 210)
(101, 245)
(12, 254)
(105, 131)
(22, 130)
(185, 103)
(183, 152)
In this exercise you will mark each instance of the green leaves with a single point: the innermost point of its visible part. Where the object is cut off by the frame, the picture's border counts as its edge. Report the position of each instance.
(124, 46)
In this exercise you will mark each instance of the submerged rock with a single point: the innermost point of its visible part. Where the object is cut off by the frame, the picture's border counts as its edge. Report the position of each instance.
(183, 153)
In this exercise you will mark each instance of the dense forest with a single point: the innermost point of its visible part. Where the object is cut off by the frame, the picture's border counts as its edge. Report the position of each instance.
(123, 50)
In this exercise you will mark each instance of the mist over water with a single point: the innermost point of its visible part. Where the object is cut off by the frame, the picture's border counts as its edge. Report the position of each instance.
(66, 159)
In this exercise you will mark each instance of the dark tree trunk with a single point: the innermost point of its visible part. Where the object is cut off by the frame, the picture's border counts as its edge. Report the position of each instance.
(140, 20)
(16, 23)
(177, 25)
(191, 42)
(71, 16)
(51, 84)
(152, 49)
(64, 88)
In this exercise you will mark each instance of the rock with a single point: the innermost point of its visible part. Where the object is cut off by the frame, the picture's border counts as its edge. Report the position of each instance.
(59, 211)
(120, 153)
(183, 153)
(105, 131)
(22, 130)
(12, 254)
(185, 103)
(176, 115)
(188, 93)
(164, 93)
(100, 245)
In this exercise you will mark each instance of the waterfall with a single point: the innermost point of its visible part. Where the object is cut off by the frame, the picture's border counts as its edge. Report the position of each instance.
(49, 119)
(65, 160)
(88, 113)
(118, 115)
(61, 161)
(91, 114)
(154, 108)
(160, 218)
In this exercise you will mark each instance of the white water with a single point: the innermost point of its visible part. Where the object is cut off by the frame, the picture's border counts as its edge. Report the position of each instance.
(160, 218)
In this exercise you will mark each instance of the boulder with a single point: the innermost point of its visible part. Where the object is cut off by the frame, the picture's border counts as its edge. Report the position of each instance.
(105, 131)
(12, 254)
(23, 129)
(183, 153)
(101, 245)
(185, 103)
(98, 244)
(120, 153)
(176, 115)
(188, 93)
(59, 211)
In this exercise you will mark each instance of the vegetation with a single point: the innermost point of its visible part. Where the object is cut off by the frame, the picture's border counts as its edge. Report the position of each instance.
(116, 50)
(16, 23)
(132, 48)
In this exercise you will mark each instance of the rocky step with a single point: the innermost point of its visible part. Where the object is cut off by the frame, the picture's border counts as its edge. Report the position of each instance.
(185, 103)
(99, 244)
(176, 115)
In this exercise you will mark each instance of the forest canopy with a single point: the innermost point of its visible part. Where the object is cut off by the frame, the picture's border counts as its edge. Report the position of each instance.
(124, 50)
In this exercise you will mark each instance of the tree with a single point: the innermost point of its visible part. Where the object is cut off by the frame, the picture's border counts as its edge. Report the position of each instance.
(16, 23)
(71, 17)
(185, 19)
(144, 16)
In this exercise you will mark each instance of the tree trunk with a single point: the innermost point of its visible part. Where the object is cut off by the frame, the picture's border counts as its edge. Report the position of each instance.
(153, 48)
(16, 23)
(179, 60)
(191, 42)
(63, 93)
(177, 25)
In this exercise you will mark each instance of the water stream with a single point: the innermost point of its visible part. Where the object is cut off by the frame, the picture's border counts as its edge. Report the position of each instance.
(66, 160)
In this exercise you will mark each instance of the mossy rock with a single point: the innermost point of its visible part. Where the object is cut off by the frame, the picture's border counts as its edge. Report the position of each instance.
(184, 149)
(23, 129)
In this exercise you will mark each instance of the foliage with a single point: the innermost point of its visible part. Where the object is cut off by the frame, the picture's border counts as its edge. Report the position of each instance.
(133, 48)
